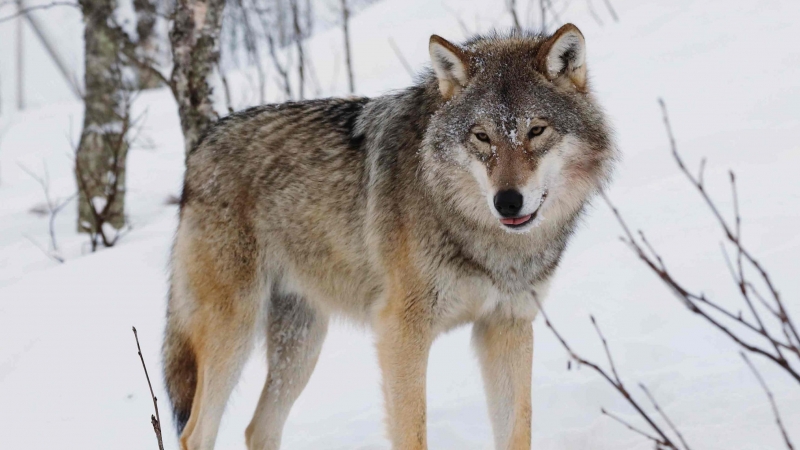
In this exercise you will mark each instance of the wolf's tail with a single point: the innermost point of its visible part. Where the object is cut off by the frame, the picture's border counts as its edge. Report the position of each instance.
(180, 373)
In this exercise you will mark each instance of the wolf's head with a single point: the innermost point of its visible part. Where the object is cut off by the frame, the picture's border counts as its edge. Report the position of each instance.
(518, 140)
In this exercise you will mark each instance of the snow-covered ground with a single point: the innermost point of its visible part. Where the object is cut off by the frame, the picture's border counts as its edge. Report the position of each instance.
(729, 71)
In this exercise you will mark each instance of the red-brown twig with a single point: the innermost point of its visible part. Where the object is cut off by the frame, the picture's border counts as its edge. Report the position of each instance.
(154, 419)
(779, 347)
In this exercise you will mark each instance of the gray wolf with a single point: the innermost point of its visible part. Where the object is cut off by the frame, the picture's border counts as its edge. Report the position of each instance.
(444, 204)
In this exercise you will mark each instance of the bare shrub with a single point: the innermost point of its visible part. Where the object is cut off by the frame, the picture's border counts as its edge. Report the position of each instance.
(766, 330)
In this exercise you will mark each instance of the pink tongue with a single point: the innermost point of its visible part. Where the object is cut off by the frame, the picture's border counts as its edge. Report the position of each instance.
(515, 221)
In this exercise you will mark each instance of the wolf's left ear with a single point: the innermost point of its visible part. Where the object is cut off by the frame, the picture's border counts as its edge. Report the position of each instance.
(451, 65)
(562, 58)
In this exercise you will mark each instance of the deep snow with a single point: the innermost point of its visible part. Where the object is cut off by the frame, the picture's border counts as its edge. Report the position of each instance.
(70, 376)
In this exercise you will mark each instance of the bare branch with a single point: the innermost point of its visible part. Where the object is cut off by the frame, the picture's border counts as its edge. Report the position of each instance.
(129, 52)
(743, 257)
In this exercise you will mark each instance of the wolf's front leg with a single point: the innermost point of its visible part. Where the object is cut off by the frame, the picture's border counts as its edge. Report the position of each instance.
(404, 340)
(505, 351)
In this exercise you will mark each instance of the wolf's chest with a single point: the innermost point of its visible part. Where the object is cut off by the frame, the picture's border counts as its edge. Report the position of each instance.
(468, 290)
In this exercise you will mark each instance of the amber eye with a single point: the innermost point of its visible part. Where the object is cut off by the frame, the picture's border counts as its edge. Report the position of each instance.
(483, 137)
(536, 131)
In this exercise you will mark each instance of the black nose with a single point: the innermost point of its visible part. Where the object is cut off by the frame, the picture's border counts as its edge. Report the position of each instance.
(508, 203)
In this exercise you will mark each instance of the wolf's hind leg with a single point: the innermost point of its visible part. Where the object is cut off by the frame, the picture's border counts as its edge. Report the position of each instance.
(505, 351)
(217, 298)
(295, 333)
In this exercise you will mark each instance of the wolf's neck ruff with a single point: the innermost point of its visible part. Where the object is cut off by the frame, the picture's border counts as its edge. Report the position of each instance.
(448, 203)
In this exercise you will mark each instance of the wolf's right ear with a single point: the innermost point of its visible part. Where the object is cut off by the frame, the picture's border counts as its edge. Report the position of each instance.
(451, 65)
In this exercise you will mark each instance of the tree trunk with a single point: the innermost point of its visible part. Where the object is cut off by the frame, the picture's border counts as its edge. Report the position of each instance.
(100, 158)
(146, 41)
(195, 52)
(346, 27)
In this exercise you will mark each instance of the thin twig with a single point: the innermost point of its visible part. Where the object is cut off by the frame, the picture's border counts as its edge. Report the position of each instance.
(771, 401)
(630, 427)
(664, 415)
(605, 347)
(156, 419)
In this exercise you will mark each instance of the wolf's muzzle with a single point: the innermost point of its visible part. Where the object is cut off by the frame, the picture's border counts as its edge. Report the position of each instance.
(508, 203)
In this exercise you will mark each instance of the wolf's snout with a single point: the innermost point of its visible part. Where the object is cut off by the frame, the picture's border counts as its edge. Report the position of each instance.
(508, 203)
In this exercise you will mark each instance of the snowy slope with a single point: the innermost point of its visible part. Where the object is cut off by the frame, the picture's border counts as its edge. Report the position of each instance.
(70, 377)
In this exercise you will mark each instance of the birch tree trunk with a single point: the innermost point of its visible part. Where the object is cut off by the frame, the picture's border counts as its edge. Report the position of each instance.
(195, 51)
(100, 158)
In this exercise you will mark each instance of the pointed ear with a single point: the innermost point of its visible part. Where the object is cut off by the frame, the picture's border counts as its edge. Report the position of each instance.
(562, 57)
(451, 65)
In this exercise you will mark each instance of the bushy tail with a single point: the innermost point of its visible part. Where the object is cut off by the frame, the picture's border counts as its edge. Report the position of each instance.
(180, 374)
